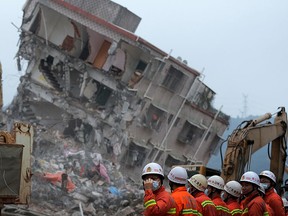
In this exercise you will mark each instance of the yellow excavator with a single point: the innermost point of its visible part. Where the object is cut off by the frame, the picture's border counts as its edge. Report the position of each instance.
(246, 139)
(255, 134)
(15, 160)
(15, 170)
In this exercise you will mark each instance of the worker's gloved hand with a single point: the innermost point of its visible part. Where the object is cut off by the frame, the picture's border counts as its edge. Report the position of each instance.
(148, 184)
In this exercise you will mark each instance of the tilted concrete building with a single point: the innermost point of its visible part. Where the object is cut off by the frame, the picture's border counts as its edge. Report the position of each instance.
(91, 78)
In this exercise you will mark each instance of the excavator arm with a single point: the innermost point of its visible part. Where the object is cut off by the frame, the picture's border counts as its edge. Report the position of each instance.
(243, 142)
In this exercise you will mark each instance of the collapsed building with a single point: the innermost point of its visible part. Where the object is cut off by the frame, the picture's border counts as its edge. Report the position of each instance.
(111, 89)
(91, 78)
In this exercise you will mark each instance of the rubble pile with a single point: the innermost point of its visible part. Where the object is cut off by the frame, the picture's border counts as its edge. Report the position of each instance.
(103, 101)
(87, 191)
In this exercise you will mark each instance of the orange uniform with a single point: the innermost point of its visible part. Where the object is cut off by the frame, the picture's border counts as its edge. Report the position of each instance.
(56, 179)
(253, 205)
(221, 207)
(159, 203)
(205, 204)
(270, 210)
(234, 207)
(185, 203)
(275, 202)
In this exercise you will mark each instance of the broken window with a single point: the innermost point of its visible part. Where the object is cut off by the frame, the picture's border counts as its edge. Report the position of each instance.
(141, 66)
(138, 74)
(153, 117)
(190, 133)
(78, 130)
(204, 97)
(135, 156)
(172, 161)
(96, 93)
(102, 95)
(173, 79)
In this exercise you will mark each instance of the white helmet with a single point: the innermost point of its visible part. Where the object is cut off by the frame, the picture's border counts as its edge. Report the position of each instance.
(152, 168)
(285, 202)
(178, 175)
(234, 188)
(216, 182)
(268, 174)
(198, 181)
(250, 177)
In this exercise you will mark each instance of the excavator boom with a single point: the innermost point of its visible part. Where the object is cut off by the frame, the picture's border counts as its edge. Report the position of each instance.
(243, 142)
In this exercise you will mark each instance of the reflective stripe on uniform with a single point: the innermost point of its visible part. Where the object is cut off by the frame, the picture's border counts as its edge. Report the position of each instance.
(150, 203)
(246, 211)
(222, 208)
(190, 211)
(172, 211)
(186, 211)
(207, 202)
(236, 211)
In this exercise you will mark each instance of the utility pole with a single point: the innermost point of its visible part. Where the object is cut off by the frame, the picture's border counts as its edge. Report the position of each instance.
(245, 107)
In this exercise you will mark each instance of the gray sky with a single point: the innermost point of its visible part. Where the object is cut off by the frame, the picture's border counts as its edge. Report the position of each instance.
(242, 46)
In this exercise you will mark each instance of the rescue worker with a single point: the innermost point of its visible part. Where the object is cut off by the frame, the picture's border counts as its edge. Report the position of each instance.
(285, 202)
(157, 201)
(196, 186)
(230, 195)
(185, 203)
(262, 194)
(268, 180)
(252, 204)
(214, 189)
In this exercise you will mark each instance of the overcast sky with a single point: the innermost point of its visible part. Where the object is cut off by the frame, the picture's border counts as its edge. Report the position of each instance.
(242, 46)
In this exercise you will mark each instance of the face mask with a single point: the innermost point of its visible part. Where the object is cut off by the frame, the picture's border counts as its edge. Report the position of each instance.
(155, 185)
(222, 196)
(206, 192)
(189, 190)
(265, 185)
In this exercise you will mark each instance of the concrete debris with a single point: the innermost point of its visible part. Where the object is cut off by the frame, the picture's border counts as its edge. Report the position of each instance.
(104, 102)
(96, 195)
(128, 211)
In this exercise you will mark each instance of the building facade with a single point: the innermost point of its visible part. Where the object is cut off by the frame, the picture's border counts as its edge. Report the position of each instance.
(111, 90)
